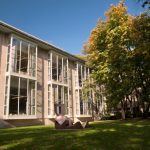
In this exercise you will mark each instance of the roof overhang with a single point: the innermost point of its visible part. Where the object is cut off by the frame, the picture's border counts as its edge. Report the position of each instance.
(6, 28)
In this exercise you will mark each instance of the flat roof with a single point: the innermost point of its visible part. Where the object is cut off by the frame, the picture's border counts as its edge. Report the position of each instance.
(41, 43)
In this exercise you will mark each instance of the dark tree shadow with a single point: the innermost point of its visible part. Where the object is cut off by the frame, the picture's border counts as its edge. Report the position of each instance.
(107, 135)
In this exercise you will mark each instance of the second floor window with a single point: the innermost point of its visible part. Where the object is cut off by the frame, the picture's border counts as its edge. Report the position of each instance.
(22, 57)
(57, 68)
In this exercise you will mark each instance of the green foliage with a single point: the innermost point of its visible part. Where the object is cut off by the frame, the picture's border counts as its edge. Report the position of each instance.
(141, 56)
(83, 57)
(145, 3)
(118, 52)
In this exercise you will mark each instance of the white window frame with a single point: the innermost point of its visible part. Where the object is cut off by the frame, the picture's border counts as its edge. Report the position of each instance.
(10, 73)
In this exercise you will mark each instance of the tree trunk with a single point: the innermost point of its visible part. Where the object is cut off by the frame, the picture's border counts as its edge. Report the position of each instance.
(123, 111)
(123, 114)
(131, 108)
(145, 113)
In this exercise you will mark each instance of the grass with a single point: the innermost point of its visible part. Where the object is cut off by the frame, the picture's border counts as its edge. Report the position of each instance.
(104, 135)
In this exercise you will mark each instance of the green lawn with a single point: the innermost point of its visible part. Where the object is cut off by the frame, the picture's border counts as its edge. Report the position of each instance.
(104, 135)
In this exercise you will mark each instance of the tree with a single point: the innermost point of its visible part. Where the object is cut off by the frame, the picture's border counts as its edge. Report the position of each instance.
(141, 59)
(145, 3)
(107, 51)
(95, 93)
(118, 54)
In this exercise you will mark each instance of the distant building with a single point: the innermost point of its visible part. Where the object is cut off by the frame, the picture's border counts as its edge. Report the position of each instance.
(39, 81)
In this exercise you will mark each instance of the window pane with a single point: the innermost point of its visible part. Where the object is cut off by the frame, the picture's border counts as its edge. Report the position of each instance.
(81, 102)
(65, 70)
(24, 58)
(13, 101)
(54, 68)
(15, 55)
(32, 60)
(60, 94)
(23, 96)
(77, 103)
(54, 93)
(80, 75)
(31, 97)
(66, 99)
(59, 69)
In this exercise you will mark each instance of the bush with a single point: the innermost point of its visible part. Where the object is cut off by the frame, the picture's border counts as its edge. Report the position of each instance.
(114, 116)
(118, 115)
(128, 114)
(137, 112)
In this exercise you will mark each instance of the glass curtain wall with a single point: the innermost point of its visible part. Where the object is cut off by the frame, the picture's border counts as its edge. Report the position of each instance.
(20, 92)
(83, 107)
(60, 97)
(59, 71)
(23, 57)
(58, 79)
(22, 96)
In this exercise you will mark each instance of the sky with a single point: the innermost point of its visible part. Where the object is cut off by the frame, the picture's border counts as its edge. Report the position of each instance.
(64, 23)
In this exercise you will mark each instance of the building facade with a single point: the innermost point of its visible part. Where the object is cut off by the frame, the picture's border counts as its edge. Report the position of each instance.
(39, 81)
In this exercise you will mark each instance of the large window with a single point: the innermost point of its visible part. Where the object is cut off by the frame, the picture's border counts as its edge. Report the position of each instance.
(60, 98)
(81, 74)
(14, 96)
(22, 57)
(83, 106)
(20, 88)
(57, 68)
(22, 96)
(58, 87)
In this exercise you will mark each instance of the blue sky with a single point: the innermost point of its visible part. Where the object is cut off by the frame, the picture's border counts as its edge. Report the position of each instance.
(64, 23)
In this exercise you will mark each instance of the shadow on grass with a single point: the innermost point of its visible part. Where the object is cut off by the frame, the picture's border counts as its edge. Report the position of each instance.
(105, 135)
